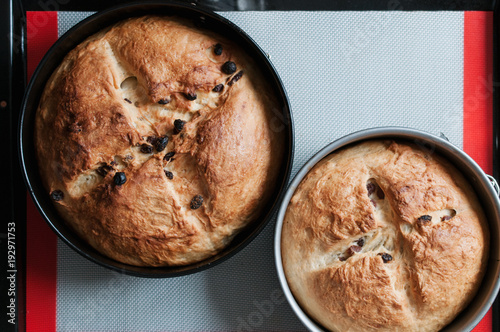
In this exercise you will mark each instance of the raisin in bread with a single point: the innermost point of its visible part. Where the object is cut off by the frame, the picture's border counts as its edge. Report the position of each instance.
(154, 140)
(382, 236)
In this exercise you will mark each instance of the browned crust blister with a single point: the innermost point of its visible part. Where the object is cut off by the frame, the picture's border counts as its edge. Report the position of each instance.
(384, 236)
(152, 151)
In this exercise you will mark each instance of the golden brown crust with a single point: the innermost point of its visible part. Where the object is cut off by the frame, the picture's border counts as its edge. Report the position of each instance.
(125, 87)
(384, 236)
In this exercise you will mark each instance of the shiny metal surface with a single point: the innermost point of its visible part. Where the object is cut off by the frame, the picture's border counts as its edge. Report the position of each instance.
(487, 194)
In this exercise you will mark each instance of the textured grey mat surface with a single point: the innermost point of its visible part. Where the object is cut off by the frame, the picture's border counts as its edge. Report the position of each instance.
(343, 71)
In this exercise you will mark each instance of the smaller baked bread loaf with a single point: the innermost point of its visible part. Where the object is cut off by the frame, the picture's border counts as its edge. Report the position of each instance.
(154, 140)
(384, 236)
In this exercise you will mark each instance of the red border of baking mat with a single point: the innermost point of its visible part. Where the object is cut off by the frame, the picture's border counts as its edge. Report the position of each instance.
(478, 100)
(41, 274)
(41, 242)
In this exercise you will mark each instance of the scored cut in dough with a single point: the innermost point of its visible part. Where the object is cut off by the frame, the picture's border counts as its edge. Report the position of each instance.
(101, 116)
(383, 236)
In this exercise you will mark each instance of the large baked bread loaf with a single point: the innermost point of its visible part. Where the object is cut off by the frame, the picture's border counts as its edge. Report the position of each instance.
(154, 141)
(384, 236)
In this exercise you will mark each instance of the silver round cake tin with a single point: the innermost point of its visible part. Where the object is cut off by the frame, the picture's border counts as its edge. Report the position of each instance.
(482, 184)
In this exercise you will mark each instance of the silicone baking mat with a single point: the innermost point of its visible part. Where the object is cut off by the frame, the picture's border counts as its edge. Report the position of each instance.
(343, 71)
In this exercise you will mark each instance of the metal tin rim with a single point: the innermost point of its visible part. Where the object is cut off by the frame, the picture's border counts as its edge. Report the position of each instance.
(489, 288)
(52, 59)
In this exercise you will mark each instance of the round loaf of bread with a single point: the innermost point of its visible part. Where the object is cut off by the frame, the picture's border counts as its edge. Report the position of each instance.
(154, 141)
(384, 236)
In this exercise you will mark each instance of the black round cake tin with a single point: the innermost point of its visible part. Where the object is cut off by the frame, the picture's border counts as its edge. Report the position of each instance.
(281, 122)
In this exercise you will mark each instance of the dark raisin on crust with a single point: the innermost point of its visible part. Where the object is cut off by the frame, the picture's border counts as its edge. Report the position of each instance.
(371, 188)
(380, 193)
(119, 178)
(342, 258)
(424, 220)
(228, 67)
(353, 249)
(196, 202)
(104, 170)
(178, 125)
(127, 100)
(190, 96)
(146, 148)
(169, 155)
(169, 175)
(57, 195)
(218, 49)
(218, 88)
(151, 139)
(161, 143)
(164, 101)
(361, 242)
(375, 188)
(235, 78)
(386, 257)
